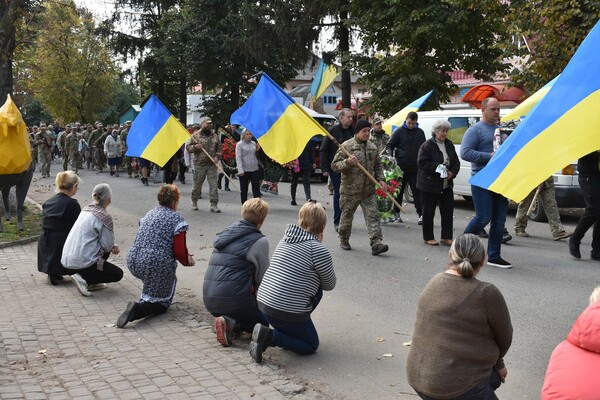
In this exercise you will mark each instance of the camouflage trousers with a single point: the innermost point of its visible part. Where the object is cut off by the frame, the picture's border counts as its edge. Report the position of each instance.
(127, 165)
(208, 172)
(349, 204)
(99, 159)
(550, 207)
(45, 161)
(65, 157)
(74, 158)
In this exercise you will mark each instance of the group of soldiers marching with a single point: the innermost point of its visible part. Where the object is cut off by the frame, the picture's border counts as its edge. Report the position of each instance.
(79, 146)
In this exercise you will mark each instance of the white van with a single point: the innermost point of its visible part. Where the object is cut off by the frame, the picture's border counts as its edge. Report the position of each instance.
(568, 193)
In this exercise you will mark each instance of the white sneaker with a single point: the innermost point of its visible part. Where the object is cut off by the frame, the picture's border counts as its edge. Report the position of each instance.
(420, 220)
(81, 284)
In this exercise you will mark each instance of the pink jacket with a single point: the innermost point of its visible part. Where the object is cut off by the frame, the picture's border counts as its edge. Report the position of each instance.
(574, 369)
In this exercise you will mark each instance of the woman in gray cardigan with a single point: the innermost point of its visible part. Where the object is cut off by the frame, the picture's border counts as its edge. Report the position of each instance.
(90, 242)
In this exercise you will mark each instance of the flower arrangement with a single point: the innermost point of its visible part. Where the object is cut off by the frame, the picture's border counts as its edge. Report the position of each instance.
(393, 180)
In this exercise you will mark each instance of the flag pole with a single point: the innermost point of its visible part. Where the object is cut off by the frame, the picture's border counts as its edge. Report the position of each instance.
(220, 169)
(363, 169)
(534, 200)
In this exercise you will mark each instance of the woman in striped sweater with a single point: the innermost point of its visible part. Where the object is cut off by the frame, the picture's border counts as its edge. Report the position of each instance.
(301, 268)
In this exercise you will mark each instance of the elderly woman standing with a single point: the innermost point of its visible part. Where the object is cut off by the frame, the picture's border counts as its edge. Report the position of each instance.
(59, 214)
(158, 245)
(462, 330)
(438, 165)
(89, 244)
(247, 164)
(113, 150)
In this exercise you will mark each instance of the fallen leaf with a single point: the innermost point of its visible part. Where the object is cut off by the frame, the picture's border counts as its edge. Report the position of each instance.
(407, 343)
(380, 339)
(387, 355)
(42, 352)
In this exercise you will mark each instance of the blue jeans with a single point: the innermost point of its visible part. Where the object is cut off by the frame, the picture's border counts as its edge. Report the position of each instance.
(490, 208)
(300, 337)
(481, 391)
(245, 321)
(336, 180)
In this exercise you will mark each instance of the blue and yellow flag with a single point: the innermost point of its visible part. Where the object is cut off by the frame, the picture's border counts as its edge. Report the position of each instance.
(279, 124)
(155, 133)
(323, 77)
(396, 120)
(15, 148)
(525, 107)
(564, 126)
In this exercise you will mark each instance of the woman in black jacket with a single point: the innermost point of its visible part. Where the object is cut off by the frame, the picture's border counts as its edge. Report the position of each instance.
(438, 165)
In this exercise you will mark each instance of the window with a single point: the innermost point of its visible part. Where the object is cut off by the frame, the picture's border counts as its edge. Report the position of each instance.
(329, 99)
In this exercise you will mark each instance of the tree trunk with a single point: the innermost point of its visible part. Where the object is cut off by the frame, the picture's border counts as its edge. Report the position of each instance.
(9, 12)
(344, 47)
(183, 99)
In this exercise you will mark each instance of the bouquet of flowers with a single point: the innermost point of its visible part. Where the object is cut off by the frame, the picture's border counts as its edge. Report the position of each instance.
(393, 180)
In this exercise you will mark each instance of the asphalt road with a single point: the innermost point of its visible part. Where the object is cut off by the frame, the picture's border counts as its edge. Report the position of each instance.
(365, 321)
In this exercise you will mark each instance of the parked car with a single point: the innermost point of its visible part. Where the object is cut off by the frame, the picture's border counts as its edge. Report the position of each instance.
(568, 192)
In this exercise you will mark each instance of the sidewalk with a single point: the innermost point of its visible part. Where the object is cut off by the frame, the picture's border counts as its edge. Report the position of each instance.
(57, 344)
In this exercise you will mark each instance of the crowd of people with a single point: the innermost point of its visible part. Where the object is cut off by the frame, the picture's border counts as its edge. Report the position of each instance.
(271, 296)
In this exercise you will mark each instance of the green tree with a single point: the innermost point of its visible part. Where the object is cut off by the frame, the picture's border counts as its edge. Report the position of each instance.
(232, 40)
(546, 34)
(410, 47)
(72, 73)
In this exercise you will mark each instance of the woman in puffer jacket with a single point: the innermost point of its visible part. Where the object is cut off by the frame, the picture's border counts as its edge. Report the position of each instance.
(573, 368)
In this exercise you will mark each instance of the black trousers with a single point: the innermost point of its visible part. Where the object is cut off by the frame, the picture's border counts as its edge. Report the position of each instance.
(590, 188)
(92, 275)
(145, 309)
(445, 200)
(409, 177)
(305, 182)
(253, 178)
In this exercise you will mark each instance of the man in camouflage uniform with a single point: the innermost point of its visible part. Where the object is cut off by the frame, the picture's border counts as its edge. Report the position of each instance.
(204, 166)
(357, 189)
(71, 150)
(43, 139)
(378, 136)
(98, 145)
(126, 159)
(87, 151)
(61, 144)
(94, 136)
(549, 202)
(34, 149)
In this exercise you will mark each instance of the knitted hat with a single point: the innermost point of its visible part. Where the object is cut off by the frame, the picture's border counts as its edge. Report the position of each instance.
(360, 124)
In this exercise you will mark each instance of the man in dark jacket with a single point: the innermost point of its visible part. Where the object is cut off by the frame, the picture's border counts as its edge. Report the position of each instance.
(235, 271)
(404, 145)
(341, 132)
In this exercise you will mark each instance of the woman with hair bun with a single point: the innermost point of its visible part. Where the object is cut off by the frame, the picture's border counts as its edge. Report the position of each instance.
(89, 244)
(59, 215)
(462, 330)
(158, 245)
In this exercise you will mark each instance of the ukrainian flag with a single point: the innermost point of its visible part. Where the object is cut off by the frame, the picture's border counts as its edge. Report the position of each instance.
(155, 133)
(396, 120)
(525, 107)
(279, 124)
(323, 77)
(564, 126)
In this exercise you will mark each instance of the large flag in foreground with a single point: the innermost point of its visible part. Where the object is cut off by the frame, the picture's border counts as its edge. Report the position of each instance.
(15, 149)
(564, 126)
(155, 133)
(278, 123)
(526, 106)
(396, 120)
(323, 77)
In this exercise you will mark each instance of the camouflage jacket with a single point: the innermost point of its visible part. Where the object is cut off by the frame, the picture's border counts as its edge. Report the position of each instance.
(43, 139)
(380, 140)
(72, 142)
(354, 181)
(210, 143)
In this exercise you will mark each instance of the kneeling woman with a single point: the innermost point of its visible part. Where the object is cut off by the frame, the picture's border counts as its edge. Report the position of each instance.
(158, 245)
(90, 242)
(301, 268)
(462, 330)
